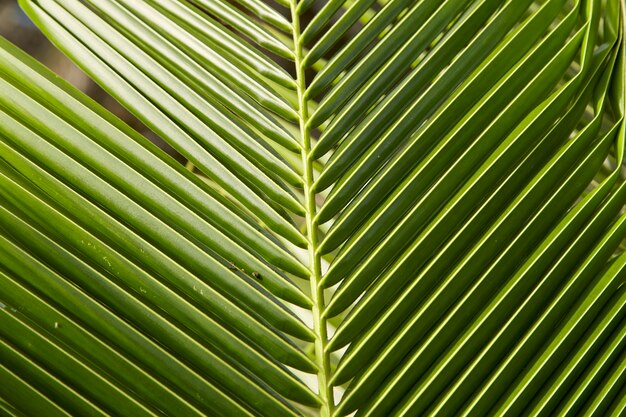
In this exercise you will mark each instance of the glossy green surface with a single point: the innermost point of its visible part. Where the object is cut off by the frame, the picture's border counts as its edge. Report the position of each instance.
(391, 208)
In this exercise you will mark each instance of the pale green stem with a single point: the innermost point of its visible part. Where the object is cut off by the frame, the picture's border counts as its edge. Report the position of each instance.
(322, 358)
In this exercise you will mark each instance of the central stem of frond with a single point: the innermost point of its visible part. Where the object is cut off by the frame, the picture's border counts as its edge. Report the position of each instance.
(322, 358)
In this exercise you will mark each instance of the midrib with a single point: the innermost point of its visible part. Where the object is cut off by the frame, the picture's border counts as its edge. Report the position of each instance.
(322, 358)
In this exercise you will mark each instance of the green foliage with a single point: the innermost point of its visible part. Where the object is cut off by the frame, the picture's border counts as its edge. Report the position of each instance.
(393, 207)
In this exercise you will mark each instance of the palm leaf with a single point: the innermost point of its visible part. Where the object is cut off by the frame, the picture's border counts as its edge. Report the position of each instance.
(393, 208)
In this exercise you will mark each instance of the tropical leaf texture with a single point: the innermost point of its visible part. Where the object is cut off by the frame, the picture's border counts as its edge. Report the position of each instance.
(391, 208)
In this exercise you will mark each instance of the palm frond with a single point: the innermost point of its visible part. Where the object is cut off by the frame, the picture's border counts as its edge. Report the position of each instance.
(447, 176)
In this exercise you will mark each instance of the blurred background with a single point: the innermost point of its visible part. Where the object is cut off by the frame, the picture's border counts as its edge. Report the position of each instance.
(17, 28)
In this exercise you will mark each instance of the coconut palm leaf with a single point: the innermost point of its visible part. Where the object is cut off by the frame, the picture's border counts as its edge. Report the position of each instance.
(390, 208)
